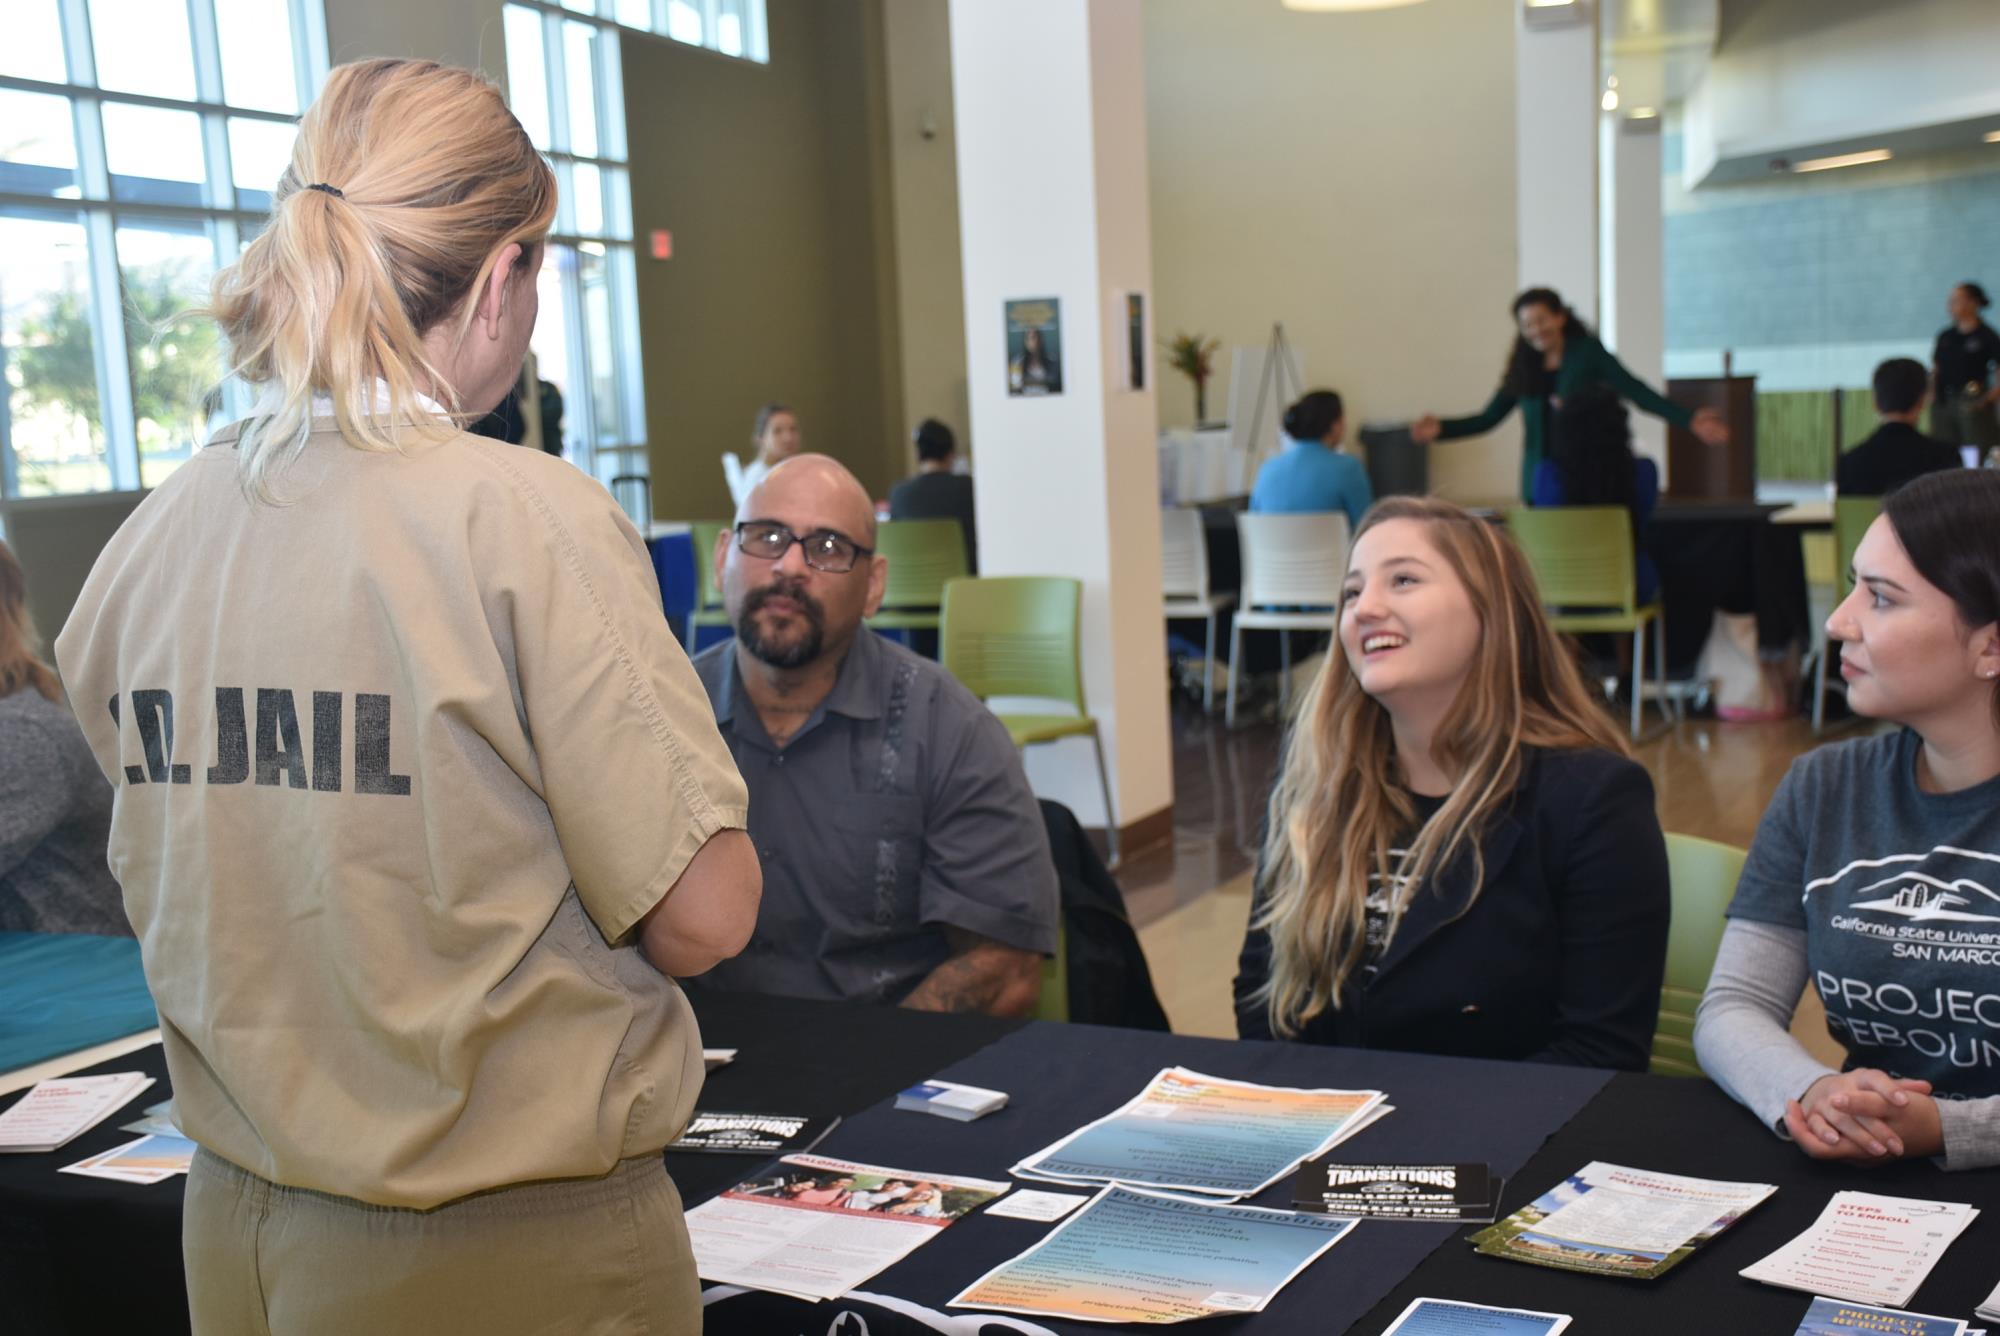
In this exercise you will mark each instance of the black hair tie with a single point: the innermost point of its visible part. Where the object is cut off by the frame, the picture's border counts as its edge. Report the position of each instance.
(334, 191)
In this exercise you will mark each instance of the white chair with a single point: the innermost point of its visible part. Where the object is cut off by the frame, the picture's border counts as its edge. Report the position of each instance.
(732, 472)
(1184, 584)
(1293, 566)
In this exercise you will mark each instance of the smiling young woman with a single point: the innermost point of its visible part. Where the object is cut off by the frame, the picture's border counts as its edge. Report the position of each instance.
(1876, 871)
(1460, 857)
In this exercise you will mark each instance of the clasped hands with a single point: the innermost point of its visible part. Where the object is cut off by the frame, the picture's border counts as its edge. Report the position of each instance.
(1867, 1116)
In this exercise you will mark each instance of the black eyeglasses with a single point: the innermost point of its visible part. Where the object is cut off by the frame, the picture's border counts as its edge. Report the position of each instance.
(823, 549)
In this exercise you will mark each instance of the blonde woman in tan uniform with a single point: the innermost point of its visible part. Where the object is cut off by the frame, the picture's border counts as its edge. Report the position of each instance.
(419, 806)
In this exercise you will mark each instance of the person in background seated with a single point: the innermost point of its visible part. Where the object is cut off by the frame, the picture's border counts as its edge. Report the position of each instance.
(905, 859)
(1962, 364)
(1897, 451)
(777, 435)
(1312, 474)
(1590, 463)
(55, 805)
(1460, 857)
(938, 491)
(1875, 875)
(421, 810)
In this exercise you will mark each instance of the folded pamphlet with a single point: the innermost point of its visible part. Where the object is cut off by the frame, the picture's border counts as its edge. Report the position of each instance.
(814, 1228)
(1609, 1220)
(1990, 1310)
(1454, 1193)
(147, 1160)
(753, 1133)
(1187, 1132)
(56, 1112)
(947, 1099)
(1866, 1249)
(1837, 1317)
(1449, 1317)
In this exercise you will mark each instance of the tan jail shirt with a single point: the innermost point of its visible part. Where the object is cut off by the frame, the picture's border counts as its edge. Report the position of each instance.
(399, 765)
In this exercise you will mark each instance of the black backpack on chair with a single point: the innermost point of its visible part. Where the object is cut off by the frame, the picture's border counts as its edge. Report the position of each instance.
(1109, 983)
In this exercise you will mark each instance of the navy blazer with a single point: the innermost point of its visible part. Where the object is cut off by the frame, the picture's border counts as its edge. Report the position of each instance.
(1559, 958)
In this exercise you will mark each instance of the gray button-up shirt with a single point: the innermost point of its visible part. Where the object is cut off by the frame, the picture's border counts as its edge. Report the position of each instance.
(900, 808)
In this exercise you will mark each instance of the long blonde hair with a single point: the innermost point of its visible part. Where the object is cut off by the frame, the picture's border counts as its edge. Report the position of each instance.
(20, 648)
(1340, 806)
(434, 178)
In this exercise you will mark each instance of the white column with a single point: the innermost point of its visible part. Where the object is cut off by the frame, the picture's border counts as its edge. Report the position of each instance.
(1632, 300)
(1555, 152)
(1049, 101)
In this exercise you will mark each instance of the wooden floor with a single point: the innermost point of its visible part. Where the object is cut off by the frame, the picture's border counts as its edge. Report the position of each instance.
(1191, 898)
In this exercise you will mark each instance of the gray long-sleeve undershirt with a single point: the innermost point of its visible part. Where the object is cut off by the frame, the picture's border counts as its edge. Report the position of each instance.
(1743, 1041)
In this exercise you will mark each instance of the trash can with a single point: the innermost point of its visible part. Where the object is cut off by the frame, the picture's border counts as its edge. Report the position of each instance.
(1397, 465)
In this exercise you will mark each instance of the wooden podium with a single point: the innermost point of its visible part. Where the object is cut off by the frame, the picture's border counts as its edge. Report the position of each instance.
(1705, 472)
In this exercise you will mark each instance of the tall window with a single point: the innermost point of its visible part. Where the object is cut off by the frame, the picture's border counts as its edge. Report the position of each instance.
(140, 141)
(565, 80)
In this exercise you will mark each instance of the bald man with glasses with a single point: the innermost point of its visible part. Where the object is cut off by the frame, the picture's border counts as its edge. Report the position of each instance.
(904, 856)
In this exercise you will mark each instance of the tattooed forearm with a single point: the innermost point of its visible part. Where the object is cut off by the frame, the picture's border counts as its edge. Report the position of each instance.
(998, 980)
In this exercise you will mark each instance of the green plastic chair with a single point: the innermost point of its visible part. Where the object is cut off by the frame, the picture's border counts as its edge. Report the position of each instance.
(1017, 635)
(1851, 517)
(1703, 875)
(708, 610)
(923, 556)
(1584, 566)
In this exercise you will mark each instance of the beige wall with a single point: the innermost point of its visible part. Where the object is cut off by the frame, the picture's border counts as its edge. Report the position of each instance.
(457, 32)
(923, 206)
(1353, 176)
(771, 180)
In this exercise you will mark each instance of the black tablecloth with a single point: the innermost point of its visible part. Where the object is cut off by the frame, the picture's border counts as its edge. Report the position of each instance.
(62, 1237)
(1690, 1127)
(1727, 556)
(1059, 1077)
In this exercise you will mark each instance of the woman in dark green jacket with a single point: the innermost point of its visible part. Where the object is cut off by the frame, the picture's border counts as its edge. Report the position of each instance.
(1554, 356)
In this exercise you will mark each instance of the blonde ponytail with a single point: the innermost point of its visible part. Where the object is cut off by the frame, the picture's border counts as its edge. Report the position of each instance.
(407, 181)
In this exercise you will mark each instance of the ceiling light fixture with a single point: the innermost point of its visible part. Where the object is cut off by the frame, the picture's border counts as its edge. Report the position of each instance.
(1336, 6)
(1843, 160)
(1991, 136)
(1610, 99)
(1645, 113)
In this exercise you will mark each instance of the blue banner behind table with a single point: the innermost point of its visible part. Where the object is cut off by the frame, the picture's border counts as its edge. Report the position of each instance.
(1059, 1077)
(60, 992)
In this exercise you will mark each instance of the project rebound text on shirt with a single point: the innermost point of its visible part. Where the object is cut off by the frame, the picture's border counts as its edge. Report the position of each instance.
(275, 755)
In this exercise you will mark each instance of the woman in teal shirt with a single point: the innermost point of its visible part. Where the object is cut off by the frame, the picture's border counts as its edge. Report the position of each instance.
(1554, 356)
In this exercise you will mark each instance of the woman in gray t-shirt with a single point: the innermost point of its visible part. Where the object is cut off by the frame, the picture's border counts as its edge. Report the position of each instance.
(1876, 872)
(55, 805)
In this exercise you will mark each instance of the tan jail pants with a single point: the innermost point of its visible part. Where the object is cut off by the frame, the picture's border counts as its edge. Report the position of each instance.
(607, 1255)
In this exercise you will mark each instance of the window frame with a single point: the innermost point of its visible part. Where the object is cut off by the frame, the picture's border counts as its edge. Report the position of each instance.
(101, 217)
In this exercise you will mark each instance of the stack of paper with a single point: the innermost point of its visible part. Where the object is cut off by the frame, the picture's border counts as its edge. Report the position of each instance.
(1990, 1310)
(1449, 1317)
(54, 1113)
(1193, 1133)
(1867, 1248)
(147, 1160)
(1609, 1220)
(815, 1228)
(1147, 1257)
(1831, 1317)
(946, 1099)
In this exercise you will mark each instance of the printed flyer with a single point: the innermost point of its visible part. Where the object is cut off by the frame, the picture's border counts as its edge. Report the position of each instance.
(1609, 1220)
(1153, 1258)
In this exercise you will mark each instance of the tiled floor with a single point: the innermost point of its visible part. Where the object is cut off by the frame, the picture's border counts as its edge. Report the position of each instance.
(1191, 899)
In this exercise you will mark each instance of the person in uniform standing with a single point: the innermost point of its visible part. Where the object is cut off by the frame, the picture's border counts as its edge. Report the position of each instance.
(420, 808)
(1962, 373)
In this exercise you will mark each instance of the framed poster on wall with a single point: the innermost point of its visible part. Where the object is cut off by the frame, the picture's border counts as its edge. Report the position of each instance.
(1034, 346)
(1128, 316)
